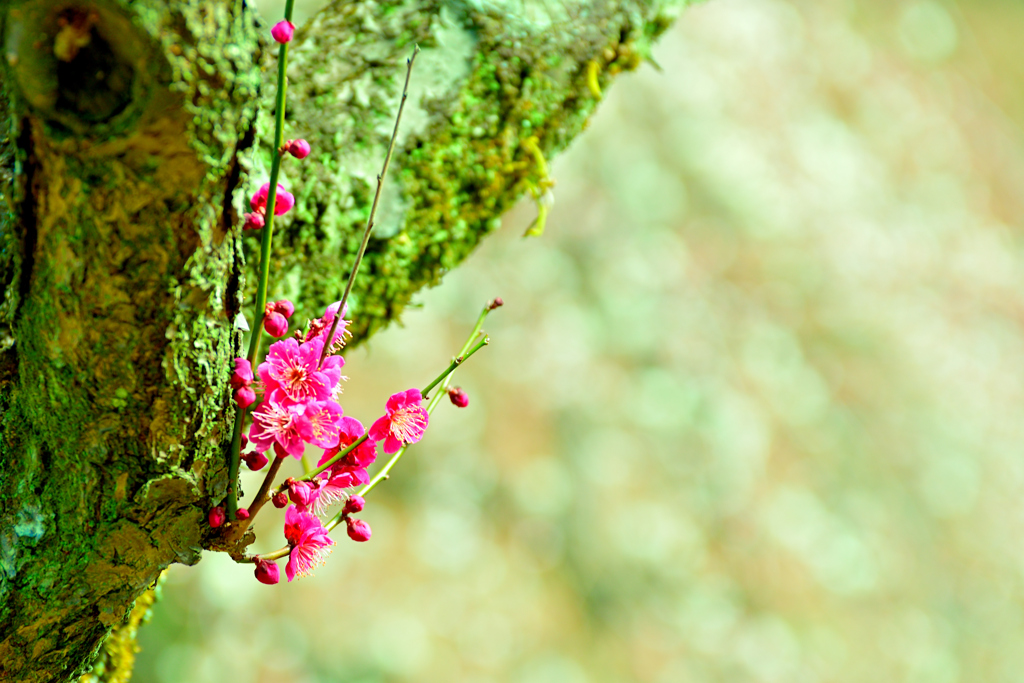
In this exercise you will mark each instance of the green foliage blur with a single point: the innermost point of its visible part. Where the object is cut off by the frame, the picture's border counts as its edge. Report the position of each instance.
(752, 411)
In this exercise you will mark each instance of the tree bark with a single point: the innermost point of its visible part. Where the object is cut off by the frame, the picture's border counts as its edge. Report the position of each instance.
(126, 163)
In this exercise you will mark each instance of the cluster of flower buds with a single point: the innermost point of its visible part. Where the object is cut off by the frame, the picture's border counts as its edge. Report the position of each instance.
(275, 317)
(283, 203)
(241, 382)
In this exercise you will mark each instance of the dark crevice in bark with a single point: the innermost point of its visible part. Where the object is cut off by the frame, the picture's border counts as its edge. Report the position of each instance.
(29, 232)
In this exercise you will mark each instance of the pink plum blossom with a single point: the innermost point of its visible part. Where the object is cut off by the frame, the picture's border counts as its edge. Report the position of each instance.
(320, 327)
(349, 431)
(334, 489)
(274, 424)
(290, 373)
(324, 417)
(404, 423)
(308, 540)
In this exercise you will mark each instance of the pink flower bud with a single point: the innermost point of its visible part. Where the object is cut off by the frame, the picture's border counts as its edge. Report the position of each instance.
(283, 31)
(242, 513)
(267, 572)
(276, 325)
(280, 500)
(245, 397)
(299, 492)
(358, 530)
(242, 376)
(297, 148)
(282, 205)
(354, 504)
(256, 461)
(285, 202)
(496, 303)
(245, 442)
(284, 307)
(458, 397)
(253, 221)
(216, 517)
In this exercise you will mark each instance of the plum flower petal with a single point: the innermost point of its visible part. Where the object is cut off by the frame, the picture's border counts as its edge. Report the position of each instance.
(320, 327)
(308, 540)
(404, 423)
(324, 417)
(349, 430)
(290, 371)
(284, 426)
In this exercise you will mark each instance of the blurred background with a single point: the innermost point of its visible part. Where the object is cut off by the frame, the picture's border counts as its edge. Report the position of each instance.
(752, 411)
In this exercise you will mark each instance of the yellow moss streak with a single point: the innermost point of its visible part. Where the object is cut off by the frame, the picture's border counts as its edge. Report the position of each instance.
(117, 656)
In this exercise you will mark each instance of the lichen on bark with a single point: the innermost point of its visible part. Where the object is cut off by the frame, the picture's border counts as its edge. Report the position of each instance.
(121, 261)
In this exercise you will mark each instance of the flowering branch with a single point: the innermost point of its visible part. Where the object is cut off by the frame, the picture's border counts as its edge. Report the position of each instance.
(358, 530)
(373, 208)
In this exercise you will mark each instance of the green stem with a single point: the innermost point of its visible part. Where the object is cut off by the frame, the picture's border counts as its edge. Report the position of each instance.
(454, 364)
(266, 238)
(233, 462)
(340, 454)
(373, 211)
(262, 496)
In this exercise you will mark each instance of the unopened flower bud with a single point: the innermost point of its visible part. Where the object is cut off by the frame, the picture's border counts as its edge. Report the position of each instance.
(276, 325)
(282, 204)
(267, 572)
(496, 303)
(253, 221)
(299, 492)
(458, 397)
(297, 148)
(284, 307)
(216, 517)
(256, 461)
(280, 500)
(242, 376)
(245, 442)
(358, 530)
(242, 513)
(283, 31)
(245, 397)
(354, 504)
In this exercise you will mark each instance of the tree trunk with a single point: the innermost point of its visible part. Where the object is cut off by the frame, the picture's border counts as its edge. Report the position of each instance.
(126, 162)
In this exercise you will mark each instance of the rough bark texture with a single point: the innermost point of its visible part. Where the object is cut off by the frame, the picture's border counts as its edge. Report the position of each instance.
(121, 260)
